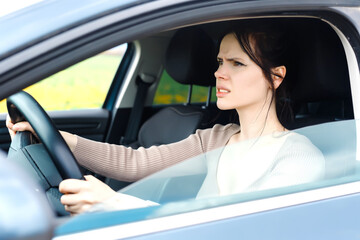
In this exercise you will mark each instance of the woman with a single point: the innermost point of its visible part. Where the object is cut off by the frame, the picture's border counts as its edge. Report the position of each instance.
(248, 79)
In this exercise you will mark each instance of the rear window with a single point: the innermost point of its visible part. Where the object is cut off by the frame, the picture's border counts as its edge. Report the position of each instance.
(171, 92)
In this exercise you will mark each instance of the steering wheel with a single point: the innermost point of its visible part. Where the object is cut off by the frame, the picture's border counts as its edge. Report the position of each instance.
(50, 161)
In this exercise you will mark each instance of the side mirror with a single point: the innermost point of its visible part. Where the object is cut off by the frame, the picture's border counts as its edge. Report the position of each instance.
(25, 212)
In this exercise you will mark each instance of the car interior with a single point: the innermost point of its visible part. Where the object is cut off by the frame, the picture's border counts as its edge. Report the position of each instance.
(318, 87)
(317, 81)
(319, 92)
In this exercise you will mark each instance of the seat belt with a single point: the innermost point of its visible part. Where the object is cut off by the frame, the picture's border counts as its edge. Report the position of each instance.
(143, 82)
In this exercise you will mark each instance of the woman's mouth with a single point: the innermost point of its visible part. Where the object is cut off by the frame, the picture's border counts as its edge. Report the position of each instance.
(221, 92)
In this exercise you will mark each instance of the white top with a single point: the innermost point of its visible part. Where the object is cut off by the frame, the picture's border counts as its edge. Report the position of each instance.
(272, 161)
(240, 165)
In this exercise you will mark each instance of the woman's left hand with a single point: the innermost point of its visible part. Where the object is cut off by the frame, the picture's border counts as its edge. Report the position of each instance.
(80, 195)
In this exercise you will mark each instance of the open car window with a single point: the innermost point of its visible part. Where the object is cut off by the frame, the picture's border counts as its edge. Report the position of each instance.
(181, 183)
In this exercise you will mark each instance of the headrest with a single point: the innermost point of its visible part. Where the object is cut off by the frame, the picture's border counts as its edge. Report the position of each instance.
(321, 66)
(191, 57)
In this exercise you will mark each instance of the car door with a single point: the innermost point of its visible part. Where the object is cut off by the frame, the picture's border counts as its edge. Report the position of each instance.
(273, 215)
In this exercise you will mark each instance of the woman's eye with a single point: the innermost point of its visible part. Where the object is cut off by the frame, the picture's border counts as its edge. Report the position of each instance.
(220, 62)
(236, 63)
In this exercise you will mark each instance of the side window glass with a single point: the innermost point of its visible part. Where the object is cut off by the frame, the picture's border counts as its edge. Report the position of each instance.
(81, 86)
(200, 94)
(171, 92)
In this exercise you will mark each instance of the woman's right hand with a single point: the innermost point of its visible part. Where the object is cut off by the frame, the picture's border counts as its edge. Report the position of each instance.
(20, 126)
(70, 139)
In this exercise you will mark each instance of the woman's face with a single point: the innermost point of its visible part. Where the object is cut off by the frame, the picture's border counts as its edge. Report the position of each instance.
(240, 83)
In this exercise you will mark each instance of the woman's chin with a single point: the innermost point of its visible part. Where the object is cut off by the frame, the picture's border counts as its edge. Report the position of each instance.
(223, 106)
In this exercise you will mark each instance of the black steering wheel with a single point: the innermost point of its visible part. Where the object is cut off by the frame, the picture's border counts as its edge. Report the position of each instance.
(50, 161)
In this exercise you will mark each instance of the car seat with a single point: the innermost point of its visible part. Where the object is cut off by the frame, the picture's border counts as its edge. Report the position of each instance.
(321, 94)
(319, 86)
(190, 60)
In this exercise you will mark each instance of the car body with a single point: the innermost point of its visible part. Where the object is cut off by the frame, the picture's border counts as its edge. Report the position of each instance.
(52, 35)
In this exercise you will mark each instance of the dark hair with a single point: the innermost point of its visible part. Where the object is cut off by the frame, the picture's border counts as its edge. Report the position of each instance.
(265, 42)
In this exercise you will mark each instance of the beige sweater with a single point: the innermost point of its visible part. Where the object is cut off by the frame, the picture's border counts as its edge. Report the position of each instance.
(126, 164)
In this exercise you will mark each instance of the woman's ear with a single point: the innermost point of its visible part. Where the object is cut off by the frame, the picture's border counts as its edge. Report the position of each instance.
(278, 75)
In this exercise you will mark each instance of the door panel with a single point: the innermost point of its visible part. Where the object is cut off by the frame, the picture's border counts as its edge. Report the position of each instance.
(4, 134)
(88, 123)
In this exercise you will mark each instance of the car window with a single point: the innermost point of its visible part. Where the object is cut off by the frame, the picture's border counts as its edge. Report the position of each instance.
(171, 92)
(81, 86)
(183, 181)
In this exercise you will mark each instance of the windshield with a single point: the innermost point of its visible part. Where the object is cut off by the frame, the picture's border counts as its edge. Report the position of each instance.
(331, 159)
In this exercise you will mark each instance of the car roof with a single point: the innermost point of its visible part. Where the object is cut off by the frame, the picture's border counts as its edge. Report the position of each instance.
(45, 18)
(49, 17)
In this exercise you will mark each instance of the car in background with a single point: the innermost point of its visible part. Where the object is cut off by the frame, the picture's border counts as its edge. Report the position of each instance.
(162, 56)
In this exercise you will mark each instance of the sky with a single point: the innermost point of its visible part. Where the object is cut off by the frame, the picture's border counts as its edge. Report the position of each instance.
(13, 5)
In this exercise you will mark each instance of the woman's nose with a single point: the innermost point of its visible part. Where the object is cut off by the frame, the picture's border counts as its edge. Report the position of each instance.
(220, 73)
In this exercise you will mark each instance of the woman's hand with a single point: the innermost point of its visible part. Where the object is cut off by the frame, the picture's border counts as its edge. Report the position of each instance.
(80, 195)
(20, 126)
(69, 138)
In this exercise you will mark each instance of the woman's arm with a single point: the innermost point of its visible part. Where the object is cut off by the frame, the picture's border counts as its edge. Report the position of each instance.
(127, 164)
(70, 139)
(119, 162)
